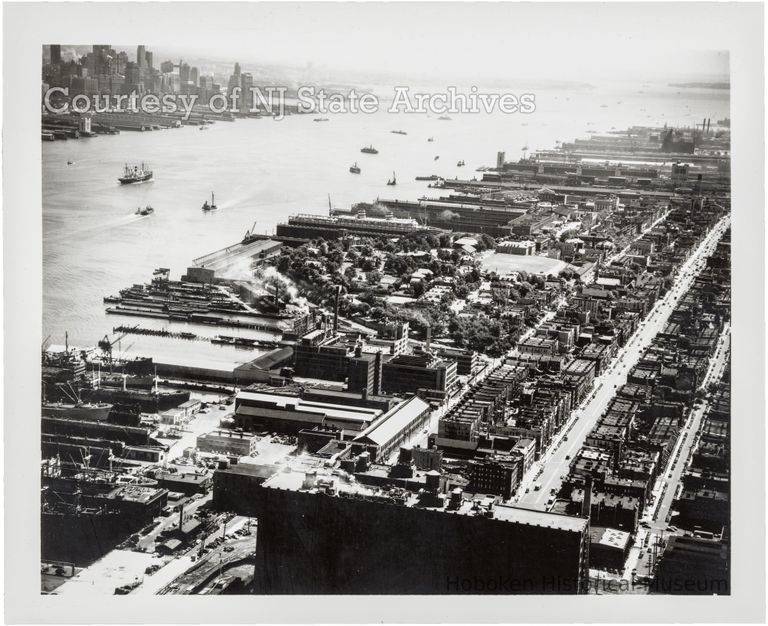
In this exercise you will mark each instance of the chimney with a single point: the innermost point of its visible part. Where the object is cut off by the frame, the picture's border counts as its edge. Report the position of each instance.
(181, 516)
(429, 338)
(377, 375)
(586, 504)
(336, 309)
(277, 295)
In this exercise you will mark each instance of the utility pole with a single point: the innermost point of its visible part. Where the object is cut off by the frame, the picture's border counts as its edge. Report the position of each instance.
(255, 548)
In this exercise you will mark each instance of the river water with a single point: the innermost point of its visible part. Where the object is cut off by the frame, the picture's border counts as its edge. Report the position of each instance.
(264, 170)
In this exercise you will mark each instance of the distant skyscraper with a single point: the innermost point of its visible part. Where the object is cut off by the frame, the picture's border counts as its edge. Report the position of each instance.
(183, 72)
(166, 67)
(193, 76)
(55, 54)
(141, 56)
(149, 60)
(246, 82)
(234, 80)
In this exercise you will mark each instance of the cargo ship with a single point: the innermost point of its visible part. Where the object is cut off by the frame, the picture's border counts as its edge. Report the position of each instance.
(135, 174)
(126, 381)
(91, 412)
(354, 169)
(369, 150)
(149, 401)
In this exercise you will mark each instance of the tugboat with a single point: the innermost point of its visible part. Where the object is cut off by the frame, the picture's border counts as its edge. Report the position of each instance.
(369, 150)
(147, 210)
(354, 169)
(210, 207)
(392, 181)
(430, 139)
(70, 162)
(460, 164)
(135, 174)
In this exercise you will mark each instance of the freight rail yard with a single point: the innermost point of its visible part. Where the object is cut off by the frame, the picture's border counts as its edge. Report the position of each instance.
(536, 363)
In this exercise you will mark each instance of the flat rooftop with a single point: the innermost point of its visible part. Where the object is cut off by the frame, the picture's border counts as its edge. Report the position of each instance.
(253, 401)
(292, 478)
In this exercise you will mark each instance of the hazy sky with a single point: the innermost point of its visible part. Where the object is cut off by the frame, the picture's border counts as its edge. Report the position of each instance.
(486, 40)
(571, 41)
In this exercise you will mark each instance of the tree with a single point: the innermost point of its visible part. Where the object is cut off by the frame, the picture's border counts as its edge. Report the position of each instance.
(373, 277)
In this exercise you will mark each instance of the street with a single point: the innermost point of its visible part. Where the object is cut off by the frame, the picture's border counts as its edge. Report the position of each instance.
(549, 470)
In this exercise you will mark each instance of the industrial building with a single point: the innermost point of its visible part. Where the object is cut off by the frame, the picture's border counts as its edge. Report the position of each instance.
(409, 373)
(323, 533)
(227, 442)
(288, 414)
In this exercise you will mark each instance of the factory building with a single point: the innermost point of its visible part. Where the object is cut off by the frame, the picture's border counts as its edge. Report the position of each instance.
(288, 414)
(407, 373)
(227, 443)
(395, 428)
(322, 533)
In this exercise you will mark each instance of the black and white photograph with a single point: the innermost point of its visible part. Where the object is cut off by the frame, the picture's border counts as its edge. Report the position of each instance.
(338, 300)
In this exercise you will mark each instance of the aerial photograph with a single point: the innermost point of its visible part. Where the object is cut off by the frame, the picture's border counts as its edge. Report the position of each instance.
(397, 306)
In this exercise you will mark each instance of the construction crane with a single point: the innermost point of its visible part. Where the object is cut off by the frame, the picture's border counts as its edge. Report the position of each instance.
(249, 234)
(106, 345)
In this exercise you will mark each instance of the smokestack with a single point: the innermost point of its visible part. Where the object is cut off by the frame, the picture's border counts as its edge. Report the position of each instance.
(429, 338)
(336, 309)
(586, 504)
(377, 375)
(181, 516)
(277, 295)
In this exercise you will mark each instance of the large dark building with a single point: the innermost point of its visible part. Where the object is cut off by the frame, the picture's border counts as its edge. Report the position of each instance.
(321, 533)
(407, 373)
(693, 566)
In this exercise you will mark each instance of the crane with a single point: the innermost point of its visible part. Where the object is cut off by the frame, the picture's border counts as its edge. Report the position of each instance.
(249, 234)
(106, 345)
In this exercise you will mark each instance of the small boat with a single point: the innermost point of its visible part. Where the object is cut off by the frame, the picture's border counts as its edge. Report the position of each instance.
(393, 180)
(437, 157)
(444, 117)
(354, 169)
(70, 162)
(209, 207)
(147, 210)
(525, 148)
(320, 119)
(603, 106)
(460, 164)
(203, 127)
(430, 139)
(369, 150)
(398, 132)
